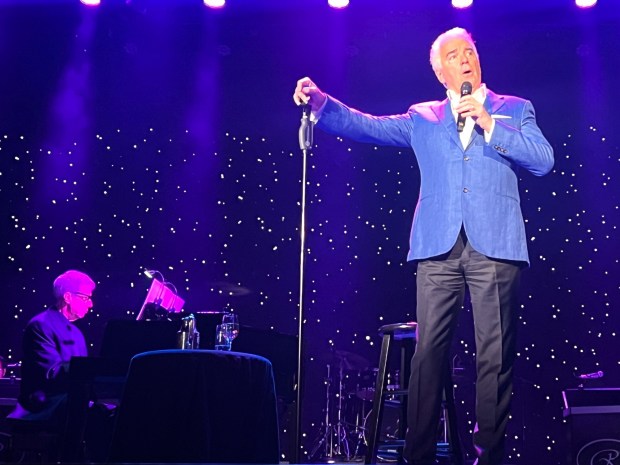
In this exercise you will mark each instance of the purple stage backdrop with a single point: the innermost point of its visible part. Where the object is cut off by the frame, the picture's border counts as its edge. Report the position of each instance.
(144, 135)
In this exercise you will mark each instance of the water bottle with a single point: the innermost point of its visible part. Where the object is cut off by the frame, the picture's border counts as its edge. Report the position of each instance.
(188, 337)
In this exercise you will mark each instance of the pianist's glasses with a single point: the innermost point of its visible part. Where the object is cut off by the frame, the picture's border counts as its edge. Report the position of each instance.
(84, 297)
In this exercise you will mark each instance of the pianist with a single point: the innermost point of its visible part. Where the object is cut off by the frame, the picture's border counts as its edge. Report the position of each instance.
(50, 341)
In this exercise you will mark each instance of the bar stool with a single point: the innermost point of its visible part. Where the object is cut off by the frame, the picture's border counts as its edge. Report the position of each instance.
(405, 333)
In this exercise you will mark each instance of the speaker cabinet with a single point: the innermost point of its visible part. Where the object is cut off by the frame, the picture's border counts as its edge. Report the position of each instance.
(593, 425)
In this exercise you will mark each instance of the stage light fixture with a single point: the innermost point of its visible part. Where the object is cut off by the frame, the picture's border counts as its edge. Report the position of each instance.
(338, 3)
(90, 2)
(214, 3)
(585, 3)
(462, 3)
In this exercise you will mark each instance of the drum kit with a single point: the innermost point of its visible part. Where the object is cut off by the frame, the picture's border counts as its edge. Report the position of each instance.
(349, 391)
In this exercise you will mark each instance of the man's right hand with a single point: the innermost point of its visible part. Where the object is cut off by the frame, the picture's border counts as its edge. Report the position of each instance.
(307, 93)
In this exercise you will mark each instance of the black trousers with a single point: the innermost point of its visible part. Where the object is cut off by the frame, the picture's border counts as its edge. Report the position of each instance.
(441, 284)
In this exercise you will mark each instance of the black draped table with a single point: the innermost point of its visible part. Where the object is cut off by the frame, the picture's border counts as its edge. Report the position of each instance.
(197, 406)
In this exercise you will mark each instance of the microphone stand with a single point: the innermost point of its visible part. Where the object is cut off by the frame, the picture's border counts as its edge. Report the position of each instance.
(305, 144)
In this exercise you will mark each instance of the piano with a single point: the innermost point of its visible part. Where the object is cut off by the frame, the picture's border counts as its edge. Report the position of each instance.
(122, 339)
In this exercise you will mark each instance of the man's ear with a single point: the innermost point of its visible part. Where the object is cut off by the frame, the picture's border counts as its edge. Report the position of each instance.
(67, 296)
(439, 74)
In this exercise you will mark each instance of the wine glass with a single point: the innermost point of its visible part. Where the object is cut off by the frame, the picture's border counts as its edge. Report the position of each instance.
(231, 322)
(223, 339)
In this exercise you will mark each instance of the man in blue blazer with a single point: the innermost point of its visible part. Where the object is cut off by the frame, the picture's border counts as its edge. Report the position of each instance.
(467, 232)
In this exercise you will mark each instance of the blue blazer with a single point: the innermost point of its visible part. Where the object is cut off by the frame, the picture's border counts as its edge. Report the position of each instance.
(475, 187)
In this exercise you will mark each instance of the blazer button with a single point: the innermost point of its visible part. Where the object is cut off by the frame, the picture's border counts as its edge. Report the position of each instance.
(466, 158)
(466, 190)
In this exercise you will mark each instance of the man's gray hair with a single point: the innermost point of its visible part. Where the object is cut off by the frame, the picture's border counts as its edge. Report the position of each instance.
(70, 281)
(456, 32)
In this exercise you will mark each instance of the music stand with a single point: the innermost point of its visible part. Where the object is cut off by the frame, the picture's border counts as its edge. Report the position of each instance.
(163, 297)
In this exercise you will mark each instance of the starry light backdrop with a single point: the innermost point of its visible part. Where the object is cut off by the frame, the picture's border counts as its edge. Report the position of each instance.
(141, 135)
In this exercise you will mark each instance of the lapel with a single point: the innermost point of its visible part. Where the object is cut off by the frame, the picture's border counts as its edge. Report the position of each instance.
(444, 114)
(493, 103)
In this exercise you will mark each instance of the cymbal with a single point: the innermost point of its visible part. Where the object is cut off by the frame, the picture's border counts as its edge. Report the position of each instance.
(348, 360)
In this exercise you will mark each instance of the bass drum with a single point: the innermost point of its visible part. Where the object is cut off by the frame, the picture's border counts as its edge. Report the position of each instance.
(390, 429)
(390, 425)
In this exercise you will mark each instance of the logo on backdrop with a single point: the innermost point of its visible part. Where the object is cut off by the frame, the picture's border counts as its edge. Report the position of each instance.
(600, 452)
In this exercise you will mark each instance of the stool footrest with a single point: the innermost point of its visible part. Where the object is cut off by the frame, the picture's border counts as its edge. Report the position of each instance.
(396, 443)
(396, 392)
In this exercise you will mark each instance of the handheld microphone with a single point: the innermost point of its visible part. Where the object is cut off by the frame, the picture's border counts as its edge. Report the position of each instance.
(305, 129)
(466, 88)
(595, 375)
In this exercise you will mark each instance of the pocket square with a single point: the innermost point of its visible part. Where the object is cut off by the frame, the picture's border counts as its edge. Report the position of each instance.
(501, 117)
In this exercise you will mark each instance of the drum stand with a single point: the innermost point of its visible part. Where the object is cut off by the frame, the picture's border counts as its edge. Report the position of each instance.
(360, 431)
(332, 438)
